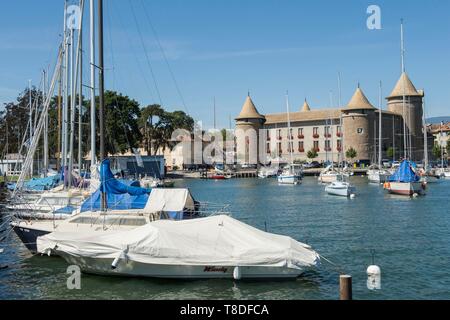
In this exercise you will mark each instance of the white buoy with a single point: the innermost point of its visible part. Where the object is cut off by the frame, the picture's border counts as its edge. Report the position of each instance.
(415, 195)
(373, 278)
(2, 250)
(352, 196)
(237, 273)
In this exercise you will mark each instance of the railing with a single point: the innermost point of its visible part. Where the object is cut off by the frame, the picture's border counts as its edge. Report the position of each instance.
(301, 136)
(339, 134)
(301, 150)
(316, 136)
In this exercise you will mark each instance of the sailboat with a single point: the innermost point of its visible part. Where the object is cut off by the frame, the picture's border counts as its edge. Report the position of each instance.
(378, 174)
(289, 176)
(338, 186)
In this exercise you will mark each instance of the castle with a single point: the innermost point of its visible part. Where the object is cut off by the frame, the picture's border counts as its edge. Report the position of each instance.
(330, 131)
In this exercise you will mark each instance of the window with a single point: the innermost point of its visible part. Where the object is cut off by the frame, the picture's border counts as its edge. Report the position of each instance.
(280, 149)
(291, 136)
(316, 146)
(327, 145)
(327, 132)
(290, 147)
(360, 130)
(339, 131)
(339, 145)
(316, 132)
(268, 148)
(300, 133)
(301, 146)
(279, 137)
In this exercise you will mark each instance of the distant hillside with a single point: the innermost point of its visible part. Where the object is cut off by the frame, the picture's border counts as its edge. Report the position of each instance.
(437, 120)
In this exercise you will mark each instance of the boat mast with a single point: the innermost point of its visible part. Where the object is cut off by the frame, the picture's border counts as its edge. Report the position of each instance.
(405, 141)
(31, 122)
(45, 127)
(80, 94)
(341, 153)
(441, 139)
(331, 131)
(66, 94)
(380, 126)
(92, 63)
(425, 138)
(101, 91)
(289, 131)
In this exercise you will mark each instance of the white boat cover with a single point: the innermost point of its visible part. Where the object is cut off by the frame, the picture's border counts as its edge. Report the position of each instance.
(169, 200)
(217, 240)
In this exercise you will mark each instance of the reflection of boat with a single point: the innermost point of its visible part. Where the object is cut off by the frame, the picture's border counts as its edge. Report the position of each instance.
(185, 250)
(405, 181)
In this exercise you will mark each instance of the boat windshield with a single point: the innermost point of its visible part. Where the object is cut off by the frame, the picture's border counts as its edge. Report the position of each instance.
(110, 220)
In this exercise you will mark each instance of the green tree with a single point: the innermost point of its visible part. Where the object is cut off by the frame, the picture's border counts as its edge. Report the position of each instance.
(390, 152)
(351, 153)
(436, 152)
(148, 122)
(122, 132)
(312, 154)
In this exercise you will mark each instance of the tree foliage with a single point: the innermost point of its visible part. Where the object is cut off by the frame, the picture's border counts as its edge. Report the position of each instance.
(351, 153)
(312, 154)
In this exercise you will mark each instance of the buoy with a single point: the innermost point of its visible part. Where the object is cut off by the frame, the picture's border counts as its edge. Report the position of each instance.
(373, 278)
(352, 196)
(237, 273)
(415, 195)
(2, 250)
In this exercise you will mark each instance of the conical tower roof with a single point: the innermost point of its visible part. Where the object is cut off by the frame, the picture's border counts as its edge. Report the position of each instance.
(306, 107)
(249, 111)
(405, 87)
(359, 101)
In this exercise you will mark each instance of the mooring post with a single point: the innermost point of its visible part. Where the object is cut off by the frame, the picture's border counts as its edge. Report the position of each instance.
(345, 287)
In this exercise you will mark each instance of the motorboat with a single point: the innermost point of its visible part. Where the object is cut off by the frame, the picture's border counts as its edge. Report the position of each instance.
(405, 181)
(267, 172)
(151, 182)
(329, 175)
(216, 247)
(340, 188)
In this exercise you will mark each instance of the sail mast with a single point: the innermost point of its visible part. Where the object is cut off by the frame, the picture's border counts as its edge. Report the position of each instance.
(45, 127)
(425, 138)
(92, 58)
(80, 94)
(380, 126)
(101, 92)
(289, 131)
(405, 141)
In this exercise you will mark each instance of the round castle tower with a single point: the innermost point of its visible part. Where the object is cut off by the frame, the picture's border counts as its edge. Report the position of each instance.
(358, 118)
(412, 113)
(248, 124)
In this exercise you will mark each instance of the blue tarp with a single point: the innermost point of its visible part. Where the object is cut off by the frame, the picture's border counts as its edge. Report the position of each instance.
(42, 184)
(120, 194)
(66, 210)
(405, 173)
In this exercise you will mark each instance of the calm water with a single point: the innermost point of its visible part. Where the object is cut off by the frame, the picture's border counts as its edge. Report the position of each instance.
(410, 237)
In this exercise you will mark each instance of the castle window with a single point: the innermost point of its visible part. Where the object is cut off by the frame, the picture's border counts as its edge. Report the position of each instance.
(360, 130)
(339, 145)
(316, 146)
(301, 146)
(280, 150)
(327, 132)
(339, 131)
(316, 132)
(327, 145)
(300, 133)
(279, 137)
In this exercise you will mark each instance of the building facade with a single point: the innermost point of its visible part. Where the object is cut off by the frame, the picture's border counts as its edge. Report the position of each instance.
(332, 132)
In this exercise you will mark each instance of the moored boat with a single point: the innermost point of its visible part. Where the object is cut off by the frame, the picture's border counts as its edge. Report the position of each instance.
(186, 250)
(405, 181)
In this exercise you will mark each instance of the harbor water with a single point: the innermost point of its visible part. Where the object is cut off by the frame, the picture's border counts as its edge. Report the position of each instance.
(409, 237)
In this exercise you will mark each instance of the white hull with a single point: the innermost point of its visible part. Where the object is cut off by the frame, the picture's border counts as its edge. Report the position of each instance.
(404, 188)
(340, 189)
(136, 269)
(294, 180)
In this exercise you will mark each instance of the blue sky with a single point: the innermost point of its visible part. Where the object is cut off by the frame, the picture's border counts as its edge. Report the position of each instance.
(223, 49)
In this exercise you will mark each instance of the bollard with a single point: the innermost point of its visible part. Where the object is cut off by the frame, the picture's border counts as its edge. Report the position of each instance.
(345, 287)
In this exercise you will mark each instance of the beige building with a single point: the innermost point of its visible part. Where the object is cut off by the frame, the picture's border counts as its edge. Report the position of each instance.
(328, 131)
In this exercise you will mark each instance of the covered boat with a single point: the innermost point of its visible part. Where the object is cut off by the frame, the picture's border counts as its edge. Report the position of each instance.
(405, 181)
(213, 247)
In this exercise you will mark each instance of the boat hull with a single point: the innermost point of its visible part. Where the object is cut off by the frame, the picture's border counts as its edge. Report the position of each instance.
(405, 188)
(101, 266)
(288, 180)
(29, 235)
(344, 191)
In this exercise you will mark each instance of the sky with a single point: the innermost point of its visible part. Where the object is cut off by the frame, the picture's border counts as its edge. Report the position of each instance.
(224, 49)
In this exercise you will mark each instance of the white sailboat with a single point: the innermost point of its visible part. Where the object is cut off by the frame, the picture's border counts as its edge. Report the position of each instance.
(289, 176)
(378, 174)
(185, 250)
(341, 188)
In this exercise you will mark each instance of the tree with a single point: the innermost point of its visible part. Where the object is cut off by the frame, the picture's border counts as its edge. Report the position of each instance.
(121, 123)
(148, 121)
(312, 154)
(390, 152)
(437, 152)
(351, 153)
